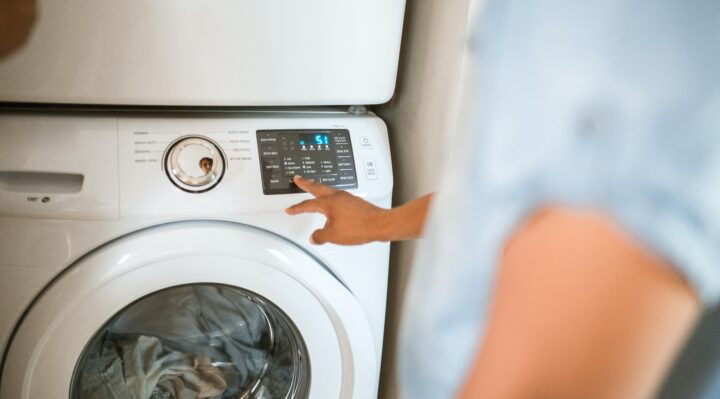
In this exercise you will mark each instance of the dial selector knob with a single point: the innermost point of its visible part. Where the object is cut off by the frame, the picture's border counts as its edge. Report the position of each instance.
(194, 164)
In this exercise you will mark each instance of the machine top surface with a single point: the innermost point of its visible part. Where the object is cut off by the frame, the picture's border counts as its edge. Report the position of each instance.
(189, 53)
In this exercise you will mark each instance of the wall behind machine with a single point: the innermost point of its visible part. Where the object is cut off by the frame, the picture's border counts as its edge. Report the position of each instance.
(421, 118)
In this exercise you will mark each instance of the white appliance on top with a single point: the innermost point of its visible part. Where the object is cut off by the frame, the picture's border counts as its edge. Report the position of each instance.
(165, 237)
(145, 253)
(208, 53)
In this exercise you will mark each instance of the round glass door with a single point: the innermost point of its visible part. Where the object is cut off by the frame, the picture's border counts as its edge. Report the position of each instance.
(293, 330)
(195, 341)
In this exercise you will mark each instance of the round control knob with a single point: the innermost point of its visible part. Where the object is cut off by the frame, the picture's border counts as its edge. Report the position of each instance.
(194, 164)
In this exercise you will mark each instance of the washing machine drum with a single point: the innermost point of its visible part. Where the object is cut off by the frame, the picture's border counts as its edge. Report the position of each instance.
(233, 312)
(195, 341)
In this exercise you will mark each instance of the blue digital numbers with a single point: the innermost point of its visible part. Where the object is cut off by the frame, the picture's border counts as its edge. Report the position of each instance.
(322, 139)
(315, 141)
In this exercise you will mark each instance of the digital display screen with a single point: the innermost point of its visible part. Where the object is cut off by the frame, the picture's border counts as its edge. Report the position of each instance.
(314, 139)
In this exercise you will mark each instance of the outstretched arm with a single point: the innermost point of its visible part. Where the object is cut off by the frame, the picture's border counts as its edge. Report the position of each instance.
(352, 220)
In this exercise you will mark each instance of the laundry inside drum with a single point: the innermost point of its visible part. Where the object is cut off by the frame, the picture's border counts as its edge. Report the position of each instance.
(195, 341)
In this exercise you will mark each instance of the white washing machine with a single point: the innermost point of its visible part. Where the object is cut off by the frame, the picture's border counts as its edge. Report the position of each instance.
(200, 53)
(150, 255)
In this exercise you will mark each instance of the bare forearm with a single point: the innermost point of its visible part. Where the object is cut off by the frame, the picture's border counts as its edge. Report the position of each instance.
(405, 222)
(580, 311)
(353, 221)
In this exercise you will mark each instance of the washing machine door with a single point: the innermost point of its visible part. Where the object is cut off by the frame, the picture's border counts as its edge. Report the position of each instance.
(193, 310)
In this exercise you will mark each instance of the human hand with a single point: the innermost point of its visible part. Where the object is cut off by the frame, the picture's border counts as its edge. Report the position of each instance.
(350, 219)
(17, 18)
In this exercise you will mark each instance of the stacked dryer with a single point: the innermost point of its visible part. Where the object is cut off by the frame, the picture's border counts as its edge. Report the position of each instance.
(144, 248)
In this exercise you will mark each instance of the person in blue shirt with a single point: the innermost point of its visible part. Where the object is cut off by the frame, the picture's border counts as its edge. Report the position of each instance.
(574, 244)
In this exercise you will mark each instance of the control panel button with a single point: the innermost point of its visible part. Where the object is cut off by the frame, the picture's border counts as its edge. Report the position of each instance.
(271, 165)
(341, 140)
(278, 181)
(329, 180)
(268, 151)
(366, 141)
(370, 169)
(194, 164)
(343, 150)
(267, 139)
(347, 176)
(345, 163)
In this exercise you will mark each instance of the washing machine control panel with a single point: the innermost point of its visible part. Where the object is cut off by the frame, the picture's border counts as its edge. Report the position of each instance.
(194, 163)
(325, 156)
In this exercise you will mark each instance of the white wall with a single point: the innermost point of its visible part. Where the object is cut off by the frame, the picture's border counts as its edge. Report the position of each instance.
(421, 118)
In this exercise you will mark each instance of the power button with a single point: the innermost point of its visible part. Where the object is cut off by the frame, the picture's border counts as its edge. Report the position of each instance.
(366, 141)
